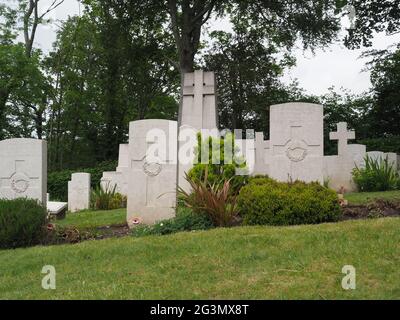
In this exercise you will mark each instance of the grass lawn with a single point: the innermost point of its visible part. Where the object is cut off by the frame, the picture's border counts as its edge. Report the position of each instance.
(366, 197)
(94, 219)
(238, 263)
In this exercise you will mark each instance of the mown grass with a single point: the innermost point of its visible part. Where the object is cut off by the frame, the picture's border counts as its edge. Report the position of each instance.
(368, 197)
(302, 262)
(94, 219)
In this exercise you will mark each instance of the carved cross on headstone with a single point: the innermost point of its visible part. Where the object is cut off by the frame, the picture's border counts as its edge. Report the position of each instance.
(19, 181)
(198, 90)
(342, 135)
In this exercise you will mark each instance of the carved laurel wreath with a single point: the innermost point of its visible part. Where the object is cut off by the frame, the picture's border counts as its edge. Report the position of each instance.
(296, 154)
(152, 169)
(19, 185)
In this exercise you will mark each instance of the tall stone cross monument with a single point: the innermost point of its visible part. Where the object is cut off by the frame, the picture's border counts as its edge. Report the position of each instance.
(198, 114)
(199, 101)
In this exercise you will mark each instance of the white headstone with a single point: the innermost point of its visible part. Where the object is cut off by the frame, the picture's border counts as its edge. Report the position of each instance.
(118, 178)
(123, 158)
(153, 171)
(79, 192)
(392, 159)
(297, 145)
(376, 155)
(23, 169)
(261, 150)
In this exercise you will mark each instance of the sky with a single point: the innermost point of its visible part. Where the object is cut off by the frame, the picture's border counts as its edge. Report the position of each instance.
(316, 73)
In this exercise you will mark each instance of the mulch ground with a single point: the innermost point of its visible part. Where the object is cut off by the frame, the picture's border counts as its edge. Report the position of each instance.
(376, 209)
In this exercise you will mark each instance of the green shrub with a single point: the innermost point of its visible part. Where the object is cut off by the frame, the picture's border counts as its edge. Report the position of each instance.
(106, 198)
(218, 173)
(377, 175)
(185, 220)
(57, 182)
(267, 202)
(22, 223)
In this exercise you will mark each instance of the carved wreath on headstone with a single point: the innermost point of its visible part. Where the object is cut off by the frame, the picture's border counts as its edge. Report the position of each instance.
(19, 183)
(152, 169)
(296, 152)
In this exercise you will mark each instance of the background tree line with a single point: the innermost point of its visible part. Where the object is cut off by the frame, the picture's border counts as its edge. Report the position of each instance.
(122, 60)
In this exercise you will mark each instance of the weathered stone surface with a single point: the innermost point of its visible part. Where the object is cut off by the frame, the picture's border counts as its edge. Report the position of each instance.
(261, 155)
(297, 146)
(118, 178)
(153, 171)
(392, 158)
(376, 155)
(23, 169)
(338, 169)
(79, 192)
(198, 114)
(199, 101)
(57, 209)
(342, 135)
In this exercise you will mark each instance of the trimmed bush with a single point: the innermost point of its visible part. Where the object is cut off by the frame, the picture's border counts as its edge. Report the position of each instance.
(185, 220)
(265, 201)
(377, 175)
(22, 223)
(57, 182)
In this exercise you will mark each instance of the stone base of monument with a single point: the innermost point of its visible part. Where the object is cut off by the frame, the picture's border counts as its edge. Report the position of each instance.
(57, 210)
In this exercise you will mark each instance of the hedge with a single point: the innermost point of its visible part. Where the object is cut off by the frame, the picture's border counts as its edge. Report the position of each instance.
(57, 182)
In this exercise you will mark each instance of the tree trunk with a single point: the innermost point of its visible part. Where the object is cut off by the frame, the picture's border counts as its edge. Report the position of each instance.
(39, 124)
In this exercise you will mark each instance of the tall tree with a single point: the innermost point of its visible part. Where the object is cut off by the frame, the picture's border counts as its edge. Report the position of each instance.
(371, 16)
(314, 22)
(385, 78)
(247, 73)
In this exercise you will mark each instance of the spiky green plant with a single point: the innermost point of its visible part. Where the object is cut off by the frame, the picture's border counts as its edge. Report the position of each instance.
(215, 200)
(102, 198)
(377, 175)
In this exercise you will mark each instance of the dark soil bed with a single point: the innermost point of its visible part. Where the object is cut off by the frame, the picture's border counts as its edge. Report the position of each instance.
(376, 209)
(115, 231)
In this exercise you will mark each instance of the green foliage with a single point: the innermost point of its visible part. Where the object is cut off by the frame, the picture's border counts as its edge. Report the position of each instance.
(57, 182)
(22, 223)
(343, 106)
(218, 172)
(385, 116)
(102, 86)
(106, 198)
(386, 144)
(265, 201)
(185, 220)
(215, 200)
(372, 16)
(377, 175)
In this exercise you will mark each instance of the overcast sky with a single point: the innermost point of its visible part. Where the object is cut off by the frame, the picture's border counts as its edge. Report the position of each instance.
(333, 66)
